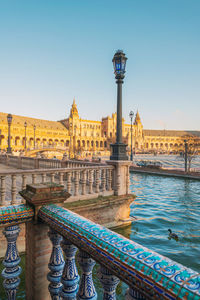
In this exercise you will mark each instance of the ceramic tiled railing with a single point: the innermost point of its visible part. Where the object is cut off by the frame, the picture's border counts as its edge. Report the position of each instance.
(148, 274)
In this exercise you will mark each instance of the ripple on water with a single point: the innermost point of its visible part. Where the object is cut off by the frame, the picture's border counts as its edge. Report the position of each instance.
(163, 203)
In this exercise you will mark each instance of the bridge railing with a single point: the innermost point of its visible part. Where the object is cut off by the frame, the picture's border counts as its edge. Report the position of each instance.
(80, 182)
(24, 162)
(148, 274)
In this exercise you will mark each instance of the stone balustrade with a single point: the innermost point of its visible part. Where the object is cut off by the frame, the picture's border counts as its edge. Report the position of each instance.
(24, 162)
(148, 274)
(81, 182)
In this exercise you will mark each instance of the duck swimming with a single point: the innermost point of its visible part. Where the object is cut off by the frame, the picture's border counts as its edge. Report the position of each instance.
(172, 235)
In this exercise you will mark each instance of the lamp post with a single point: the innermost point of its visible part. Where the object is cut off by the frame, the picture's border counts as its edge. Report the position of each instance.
(9, 119)
(119, 148)
(25, 125)
(186, 155)
(131, 114)
(34, 128)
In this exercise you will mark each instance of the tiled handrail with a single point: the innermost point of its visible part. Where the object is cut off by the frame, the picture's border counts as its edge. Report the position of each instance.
(148, 274)
(15, 214)
(79, 181)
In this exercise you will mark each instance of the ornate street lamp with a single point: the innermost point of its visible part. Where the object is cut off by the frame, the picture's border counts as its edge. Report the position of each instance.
(34, 128)
(9, 119)
(131, 114)
(119, 148)
(25, 125)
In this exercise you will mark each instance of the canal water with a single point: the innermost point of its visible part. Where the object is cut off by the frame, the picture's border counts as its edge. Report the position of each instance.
(164, 203)
(161, 203)
(169, 161)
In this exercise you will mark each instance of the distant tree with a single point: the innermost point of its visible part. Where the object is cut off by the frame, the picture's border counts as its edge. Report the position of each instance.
(190, 152)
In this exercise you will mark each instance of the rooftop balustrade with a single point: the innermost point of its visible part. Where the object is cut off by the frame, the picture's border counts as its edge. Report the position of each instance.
(148, 274)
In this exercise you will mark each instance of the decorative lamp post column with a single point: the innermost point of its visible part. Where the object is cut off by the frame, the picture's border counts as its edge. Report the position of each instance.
(186, 155)
(119, 148)
(9, 119)
(25, 125)
(34, 128)
(131, 114)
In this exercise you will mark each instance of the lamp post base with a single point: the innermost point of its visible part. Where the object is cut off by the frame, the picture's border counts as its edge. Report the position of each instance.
(118, 151)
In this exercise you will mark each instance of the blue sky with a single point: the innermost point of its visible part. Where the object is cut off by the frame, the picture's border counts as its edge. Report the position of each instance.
(53, 51)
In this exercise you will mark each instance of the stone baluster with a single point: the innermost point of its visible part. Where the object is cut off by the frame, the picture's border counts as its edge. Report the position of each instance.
(90, 181)
(94, 177)
(87, 177)
(13, 190)
(11, 262)
(97, 181)
(24, 179)
(43, 177)
(69, 183)
(61, 178)
(109, 180)
(55, 265)
(86, 288)
(109, 283)
(3, 190)
(83, 182)
(103, 180)
(70, 277)
(76, 184)
(133, 294)
(52, 175)
(33, 178)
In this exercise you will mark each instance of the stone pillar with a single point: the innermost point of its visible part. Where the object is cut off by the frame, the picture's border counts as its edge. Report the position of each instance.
(38, 245)
(121, 176)
(38, 252)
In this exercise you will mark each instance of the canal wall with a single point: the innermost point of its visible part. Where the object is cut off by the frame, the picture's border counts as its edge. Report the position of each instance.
(166, 172)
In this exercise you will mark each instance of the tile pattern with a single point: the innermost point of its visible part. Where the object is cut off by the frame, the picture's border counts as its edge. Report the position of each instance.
(152, 274)
(15, 214)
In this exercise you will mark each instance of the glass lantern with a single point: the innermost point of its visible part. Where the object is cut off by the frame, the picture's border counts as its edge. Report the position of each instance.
(119, 63)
